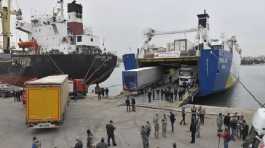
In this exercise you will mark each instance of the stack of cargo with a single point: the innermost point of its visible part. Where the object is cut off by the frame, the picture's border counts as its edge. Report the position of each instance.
(46, 101)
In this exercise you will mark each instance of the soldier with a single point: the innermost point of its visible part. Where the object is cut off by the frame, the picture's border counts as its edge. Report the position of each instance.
(149, 96)
(148, 128)
(183, 116)
(78, 144)
(164, 126)
(144, 137)
(89, 139)
(156, 125)
(172, 121)
(102, 144)
(133, 104)
(98, 91)
(219, 122)
(193, 130)
(110, 133)
(227, 120)
(245, 130)
(128, 104)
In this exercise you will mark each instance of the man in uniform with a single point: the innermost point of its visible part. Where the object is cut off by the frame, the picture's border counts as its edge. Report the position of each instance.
(164, 126)
(128, 104)
(156, 125)
(183, 116)
(193, 130)
(172, 121)
(102, 144)
(133, 104)
(144, 136)
(110, 133)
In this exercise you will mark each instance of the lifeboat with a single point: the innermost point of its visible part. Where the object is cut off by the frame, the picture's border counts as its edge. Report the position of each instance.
(28, 44)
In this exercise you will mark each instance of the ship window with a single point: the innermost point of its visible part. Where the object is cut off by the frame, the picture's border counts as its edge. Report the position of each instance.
(217, 47)
(79, 38)
(91, 39)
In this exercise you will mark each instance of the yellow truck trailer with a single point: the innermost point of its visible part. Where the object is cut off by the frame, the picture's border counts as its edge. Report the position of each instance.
(46, 101)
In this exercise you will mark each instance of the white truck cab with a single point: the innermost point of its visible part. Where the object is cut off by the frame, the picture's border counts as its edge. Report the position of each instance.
(186, 75)
(256, 136)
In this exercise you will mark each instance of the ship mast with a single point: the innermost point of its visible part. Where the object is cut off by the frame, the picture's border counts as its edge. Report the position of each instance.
(6, 12)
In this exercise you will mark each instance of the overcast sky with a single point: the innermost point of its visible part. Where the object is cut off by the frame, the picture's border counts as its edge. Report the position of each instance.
(122, 22)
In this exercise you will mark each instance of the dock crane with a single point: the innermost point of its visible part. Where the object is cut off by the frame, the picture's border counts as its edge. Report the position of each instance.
(5, 15)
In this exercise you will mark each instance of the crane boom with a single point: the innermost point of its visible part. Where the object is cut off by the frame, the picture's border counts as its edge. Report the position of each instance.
(151, 33)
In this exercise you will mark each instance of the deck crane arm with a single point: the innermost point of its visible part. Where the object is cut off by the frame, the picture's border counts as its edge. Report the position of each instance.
(151, 33)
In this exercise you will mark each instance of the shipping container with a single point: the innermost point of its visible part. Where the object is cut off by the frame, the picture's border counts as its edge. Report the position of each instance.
(136, 79)
(129, 61)
(47, 100)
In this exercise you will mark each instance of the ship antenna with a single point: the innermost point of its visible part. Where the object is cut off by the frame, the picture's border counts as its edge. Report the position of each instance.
(61, 2)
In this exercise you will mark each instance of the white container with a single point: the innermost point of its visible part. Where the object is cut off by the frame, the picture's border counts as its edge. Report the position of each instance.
(136, 79)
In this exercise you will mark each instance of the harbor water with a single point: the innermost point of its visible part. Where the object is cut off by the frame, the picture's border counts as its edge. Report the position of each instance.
(252, 76)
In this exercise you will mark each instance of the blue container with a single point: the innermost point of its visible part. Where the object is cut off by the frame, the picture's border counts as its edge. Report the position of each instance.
(129, 61)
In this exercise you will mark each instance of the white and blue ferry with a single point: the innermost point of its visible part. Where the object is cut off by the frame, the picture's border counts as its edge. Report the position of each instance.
(217, 60)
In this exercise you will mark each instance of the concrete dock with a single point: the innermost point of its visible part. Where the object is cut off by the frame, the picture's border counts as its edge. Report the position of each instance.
(93, 114)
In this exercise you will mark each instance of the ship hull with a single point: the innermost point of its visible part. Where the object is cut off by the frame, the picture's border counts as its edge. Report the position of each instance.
(17, 69)
(218, 70)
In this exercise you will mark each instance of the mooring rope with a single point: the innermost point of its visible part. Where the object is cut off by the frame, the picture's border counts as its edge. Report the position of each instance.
(251, 94)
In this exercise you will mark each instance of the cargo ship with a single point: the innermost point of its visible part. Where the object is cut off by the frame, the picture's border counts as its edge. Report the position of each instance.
(217, 60)
(56, 44)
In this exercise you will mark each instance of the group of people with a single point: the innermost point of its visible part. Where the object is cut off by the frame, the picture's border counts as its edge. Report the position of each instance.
(130, 104)
(110, 129)
(157, 122)
(101, 92)
(170, 93)
(17, 95)
(235, 127)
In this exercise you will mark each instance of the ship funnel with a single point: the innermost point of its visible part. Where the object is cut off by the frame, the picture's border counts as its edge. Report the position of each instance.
(75, 22)
(203, 20)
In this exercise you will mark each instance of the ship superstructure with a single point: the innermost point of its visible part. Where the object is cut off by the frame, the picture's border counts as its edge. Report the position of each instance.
(217, 60)
(56, 33)
(56, 44)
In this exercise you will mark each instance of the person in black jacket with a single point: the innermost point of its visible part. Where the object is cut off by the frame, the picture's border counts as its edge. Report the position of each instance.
(110, 133)
(149, 96)
(193, 130)
(78, 144)
(245, 130)
(133, 104)
(128, 104)
(227, 120)
(172, 121)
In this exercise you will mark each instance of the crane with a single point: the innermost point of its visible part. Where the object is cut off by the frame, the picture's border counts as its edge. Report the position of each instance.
(151, 33)
(6, 12)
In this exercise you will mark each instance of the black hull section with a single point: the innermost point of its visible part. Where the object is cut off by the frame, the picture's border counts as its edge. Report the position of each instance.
(21, 68)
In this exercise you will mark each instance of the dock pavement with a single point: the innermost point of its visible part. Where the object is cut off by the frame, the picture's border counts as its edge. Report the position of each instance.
(89, 113)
